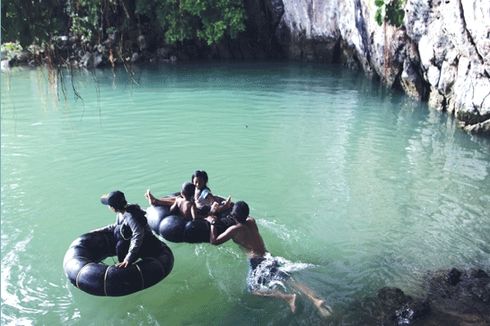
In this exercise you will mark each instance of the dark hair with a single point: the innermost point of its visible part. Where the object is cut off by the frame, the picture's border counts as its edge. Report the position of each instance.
(240, 211)
(200, 174)
(188, 190)
(203, 175)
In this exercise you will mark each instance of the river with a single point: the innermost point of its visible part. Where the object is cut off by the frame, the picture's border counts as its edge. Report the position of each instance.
(357, 186)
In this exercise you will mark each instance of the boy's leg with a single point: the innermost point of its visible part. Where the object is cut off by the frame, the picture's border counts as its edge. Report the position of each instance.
(323, 308)
(152, 200)
(289, 298)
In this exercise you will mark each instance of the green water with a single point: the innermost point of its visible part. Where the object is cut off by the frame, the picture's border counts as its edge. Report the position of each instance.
(365, 186)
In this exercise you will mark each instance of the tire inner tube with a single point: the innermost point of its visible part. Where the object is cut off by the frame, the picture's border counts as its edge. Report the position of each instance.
(84, 267)
(176, 228)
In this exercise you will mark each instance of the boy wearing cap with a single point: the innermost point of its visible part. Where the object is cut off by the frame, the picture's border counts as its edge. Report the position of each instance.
(133, 235)
(264, 274)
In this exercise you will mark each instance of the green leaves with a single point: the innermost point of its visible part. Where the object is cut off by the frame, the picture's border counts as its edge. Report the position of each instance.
(11, 49)
(379, 16)
(26, 20)
(38, 21)
(389, 11)
(208, 20)
(395, 14)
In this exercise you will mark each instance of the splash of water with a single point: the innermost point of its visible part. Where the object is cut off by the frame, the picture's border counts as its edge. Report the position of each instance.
(272, 272)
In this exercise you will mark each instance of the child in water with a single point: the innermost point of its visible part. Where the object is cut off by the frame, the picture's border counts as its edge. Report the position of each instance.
(184, 204)
(264, 273)
(204, 200)
(203, 197)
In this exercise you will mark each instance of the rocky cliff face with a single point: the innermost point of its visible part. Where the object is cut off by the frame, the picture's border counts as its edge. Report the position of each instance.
(441, 54)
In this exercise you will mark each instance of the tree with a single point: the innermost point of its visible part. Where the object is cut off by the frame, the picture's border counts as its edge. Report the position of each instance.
(390, 11)
(208, 20)
(30, 21)
(37, 21)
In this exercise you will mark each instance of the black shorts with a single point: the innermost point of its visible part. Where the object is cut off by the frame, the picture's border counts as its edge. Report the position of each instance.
(265, 275)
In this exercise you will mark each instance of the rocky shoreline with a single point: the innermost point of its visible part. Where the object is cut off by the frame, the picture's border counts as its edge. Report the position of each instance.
(68, 51)
(454, 297)
(441, 53)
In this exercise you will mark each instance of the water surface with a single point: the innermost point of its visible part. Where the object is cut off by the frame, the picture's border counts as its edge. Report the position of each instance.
(363, 185)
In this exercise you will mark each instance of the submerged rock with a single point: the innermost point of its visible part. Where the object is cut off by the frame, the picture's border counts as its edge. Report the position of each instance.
(396, 307)
(452, 297)
(462, 295)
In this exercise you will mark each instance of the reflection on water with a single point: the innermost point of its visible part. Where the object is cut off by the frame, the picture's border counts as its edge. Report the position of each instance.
(364, 186)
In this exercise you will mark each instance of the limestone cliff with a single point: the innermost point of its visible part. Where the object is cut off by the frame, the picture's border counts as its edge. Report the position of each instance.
(441, 54)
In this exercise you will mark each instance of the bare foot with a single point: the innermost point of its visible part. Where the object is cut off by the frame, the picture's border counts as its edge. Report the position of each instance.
(292, 302)
(323, 308)
(150, 197)
(228, 201)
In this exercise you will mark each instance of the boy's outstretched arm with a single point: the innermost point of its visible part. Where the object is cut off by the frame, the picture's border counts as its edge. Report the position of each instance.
(223, 237)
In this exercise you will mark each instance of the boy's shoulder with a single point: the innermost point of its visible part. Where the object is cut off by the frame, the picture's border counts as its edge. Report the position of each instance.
(237, 230)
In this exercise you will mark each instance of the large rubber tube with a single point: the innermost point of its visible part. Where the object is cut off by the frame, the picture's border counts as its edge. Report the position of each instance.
(170, 227)
(84, 267)
(197, 231)
(175, 228)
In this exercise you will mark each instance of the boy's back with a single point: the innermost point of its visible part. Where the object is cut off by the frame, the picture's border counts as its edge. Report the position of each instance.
(184, 207)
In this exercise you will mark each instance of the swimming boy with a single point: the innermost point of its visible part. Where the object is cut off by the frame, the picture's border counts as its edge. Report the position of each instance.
(264, 272)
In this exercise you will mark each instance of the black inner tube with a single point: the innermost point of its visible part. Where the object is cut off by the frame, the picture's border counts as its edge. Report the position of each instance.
(84, 267)
(176, 228)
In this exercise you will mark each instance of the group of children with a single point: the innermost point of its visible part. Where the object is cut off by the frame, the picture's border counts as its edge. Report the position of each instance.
(195, 199)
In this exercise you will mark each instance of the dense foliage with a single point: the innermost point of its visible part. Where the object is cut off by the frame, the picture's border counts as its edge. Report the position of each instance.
(390, 11)
(208, 20)
(38, 21)
(29, 21)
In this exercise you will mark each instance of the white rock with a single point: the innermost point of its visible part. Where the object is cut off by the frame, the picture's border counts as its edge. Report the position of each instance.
(433, 75)
(426, 51)
(451, 39)
(447, 78)
(5, 65)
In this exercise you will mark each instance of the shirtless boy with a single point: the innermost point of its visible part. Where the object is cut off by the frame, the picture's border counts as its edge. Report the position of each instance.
(246, 234)
(184, 205)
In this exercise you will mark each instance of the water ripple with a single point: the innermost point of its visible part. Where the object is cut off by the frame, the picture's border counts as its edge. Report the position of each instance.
(363, 185)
